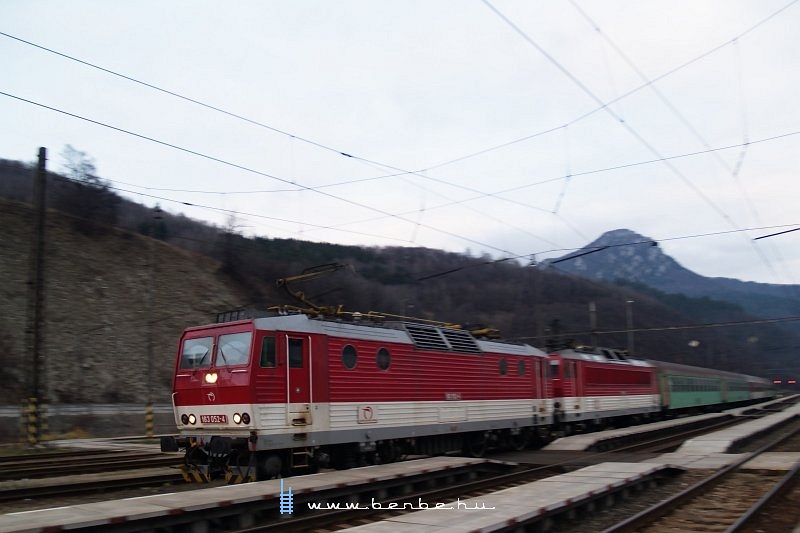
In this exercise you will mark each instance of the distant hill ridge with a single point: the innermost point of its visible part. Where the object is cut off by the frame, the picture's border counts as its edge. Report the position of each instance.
(644, 262)
(99, 311)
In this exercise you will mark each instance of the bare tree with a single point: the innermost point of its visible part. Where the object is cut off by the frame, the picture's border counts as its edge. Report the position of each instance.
(86, 196)
(79, 166)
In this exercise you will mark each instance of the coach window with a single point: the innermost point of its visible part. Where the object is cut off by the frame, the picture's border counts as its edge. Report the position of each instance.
(349, 357)
(503, 367)
(268, 358)
(521, 368)
(196, 353)
(383, 359)
(234, 349)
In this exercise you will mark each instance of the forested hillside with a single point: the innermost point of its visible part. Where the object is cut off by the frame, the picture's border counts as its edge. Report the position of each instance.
(120, 276)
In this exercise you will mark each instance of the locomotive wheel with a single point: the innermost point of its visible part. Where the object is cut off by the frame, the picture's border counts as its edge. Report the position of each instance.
(519, 441)
(388, 452)
(476, 445)
(344, 456)
(269, 467)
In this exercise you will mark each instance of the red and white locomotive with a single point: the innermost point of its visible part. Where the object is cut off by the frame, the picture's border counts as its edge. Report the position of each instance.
(589, 386)
(287, 393)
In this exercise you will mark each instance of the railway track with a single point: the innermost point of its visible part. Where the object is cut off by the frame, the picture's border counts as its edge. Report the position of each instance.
(724, 501)
(340, 519)
(146, 478)
(81, 462)
(59, 474)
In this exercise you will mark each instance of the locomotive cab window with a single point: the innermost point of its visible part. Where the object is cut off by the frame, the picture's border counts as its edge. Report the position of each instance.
(234, 349)
(196, 353)
(268, 354)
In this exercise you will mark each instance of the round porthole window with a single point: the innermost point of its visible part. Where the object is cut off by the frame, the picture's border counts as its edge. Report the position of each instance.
(349, 356)
(383, 359)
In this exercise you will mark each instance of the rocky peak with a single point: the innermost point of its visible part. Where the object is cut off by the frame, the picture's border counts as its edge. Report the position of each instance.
(624, 254)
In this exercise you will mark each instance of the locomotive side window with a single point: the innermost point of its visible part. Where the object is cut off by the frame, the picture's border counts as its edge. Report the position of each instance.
(234, 349)
(268, 356)
(383, 359)
(196, 353)
(349, 357)
(295, 353)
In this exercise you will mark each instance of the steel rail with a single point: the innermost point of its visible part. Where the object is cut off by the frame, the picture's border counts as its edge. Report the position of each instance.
(89, 486)
(781, 487)
(663, 508)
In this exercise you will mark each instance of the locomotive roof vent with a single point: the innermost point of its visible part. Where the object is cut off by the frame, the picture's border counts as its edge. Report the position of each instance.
(609, 353)
(427, 337)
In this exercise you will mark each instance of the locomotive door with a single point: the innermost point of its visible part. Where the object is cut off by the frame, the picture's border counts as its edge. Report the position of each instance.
(298, 380)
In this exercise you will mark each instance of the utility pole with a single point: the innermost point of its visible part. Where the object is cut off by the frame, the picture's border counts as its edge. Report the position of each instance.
(629, 315)
(593, 322)
(37, 408)
(148, 410)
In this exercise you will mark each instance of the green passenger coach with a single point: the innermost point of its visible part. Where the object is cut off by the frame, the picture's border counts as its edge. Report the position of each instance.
(691, 388)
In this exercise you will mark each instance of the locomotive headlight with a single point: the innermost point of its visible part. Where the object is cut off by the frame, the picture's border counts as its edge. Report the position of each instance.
(211, 377)
(245, 418)
(237, 418)
(184, 419)
(192, 419)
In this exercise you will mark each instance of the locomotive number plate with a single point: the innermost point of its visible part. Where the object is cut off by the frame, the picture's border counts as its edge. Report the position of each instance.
(213, 419)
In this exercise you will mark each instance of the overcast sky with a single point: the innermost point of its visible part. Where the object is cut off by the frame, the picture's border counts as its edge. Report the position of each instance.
(506, 127)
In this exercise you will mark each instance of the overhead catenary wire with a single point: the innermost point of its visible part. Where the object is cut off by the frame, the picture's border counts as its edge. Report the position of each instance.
(733, 323)
(638, 136)
(348, 155)
(251, 170)
(784, 135)
(623, 96)
(583, 173)
(401, 172)
(734, 172)
(604, 247)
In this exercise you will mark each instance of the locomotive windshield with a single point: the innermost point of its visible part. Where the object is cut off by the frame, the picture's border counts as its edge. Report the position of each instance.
(196, 353)
(234, 349)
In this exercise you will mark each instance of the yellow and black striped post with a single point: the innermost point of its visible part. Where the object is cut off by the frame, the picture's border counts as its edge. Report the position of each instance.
(148, 420)
(32, 420)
